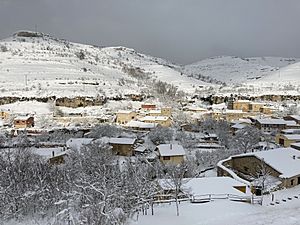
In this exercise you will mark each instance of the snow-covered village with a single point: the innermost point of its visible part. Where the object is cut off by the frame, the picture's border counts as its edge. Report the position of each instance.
(97, 135)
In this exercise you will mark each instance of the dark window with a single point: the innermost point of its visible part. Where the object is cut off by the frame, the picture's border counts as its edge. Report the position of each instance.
(292, 182)
(281, 141)
(166, 157)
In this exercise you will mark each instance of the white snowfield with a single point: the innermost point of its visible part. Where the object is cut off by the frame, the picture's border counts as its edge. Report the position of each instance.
(45, 66)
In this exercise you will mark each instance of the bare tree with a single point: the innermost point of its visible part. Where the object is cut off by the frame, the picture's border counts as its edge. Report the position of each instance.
(246, 138)
(175, 179)
(161, 135)
(261, 176)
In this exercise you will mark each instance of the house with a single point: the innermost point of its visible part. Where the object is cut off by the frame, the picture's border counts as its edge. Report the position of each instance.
(210, 137)
(122, 146)
(124, 116)
(164, 121)
(291, 124)
(268, 110)
(78, 143)
(256, 106)
(240, 124)
(243, 105)
(286, 140)
(170, 153)
(226, 114)
(4, 115)
(282, 164)
(141, 126)
(24, 122)
(194, 109)
(295, 118)
(165, 111)
(155, 112)
(230, 115)
(148, 106)
(270, 125)
(52, 155)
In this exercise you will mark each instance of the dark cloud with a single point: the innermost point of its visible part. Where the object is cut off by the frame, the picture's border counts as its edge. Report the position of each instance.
(181, 31)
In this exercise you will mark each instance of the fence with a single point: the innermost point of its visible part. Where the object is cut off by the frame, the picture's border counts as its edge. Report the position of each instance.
(239, 198)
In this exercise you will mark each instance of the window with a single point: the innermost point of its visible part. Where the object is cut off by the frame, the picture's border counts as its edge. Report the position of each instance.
(292, 182)
(166, 157)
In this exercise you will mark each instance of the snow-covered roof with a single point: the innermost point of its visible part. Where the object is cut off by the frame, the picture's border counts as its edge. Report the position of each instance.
(295, 137)
(48, 153)
(170, 150)
(239, 126)
(290, 131)
(156, 111)
(123, 141)
(77, 143)
(125, 112)
(243, 101)
(227, 111)
(284, 160)
(206, 185)
(208, 145)
(242, 120)
(290, 122)
(296, 117)
(23, 117)
(257, 103)
(195, 108)
(271, 121)
(155, 118)
(140, 148)
(140, 124)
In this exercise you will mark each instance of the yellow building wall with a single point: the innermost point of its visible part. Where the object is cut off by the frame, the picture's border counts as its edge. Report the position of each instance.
(123, 118)
(286, 142)
(234, 116)
(173, 159)
(244, 106)
(256, 107)
(123, 150)
(4, 115)
(166, 111)
(163, 123)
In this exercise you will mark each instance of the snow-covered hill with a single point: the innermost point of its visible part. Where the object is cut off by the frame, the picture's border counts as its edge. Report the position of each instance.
(289, 75)
(235, 70)
(36, 64)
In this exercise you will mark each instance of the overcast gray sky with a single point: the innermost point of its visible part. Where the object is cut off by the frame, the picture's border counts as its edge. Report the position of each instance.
(182, 31)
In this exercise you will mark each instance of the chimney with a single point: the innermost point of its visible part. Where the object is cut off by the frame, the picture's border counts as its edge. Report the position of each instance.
(171, 146)
(52, 153)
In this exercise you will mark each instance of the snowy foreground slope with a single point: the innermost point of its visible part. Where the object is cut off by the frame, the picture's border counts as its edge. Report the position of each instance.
(218, 212)
(36, 64)
(229, 213)
(235, 70)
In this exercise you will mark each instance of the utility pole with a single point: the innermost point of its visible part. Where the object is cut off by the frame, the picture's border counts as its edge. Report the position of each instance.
(25, 80)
